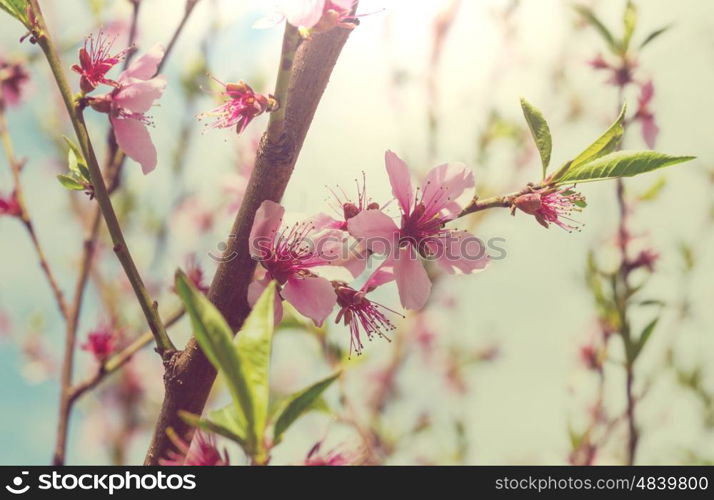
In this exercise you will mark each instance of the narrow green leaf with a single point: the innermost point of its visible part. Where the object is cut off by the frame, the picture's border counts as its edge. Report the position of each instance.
(297, 404)
(16, 8)
(620, 164)
(253, 345)
(654, 35)
(75, 159)
(630, 22)
(223, 427)
(540, 131)
(645, 336)
(606, 143)
(593, 20)
(70, 183)
(215, 338)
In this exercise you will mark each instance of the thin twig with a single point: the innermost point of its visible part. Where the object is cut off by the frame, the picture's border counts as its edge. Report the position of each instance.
(24, 216)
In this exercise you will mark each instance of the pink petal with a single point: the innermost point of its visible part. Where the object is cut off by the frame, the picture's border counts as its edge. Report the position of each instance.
(646, 92)
(383, 275)
(138, 96)
(412, 280)
(256, 289)
(344, 4)
(650, 131)
(266, 224)
(302, 13)
(447, 188)
(144, 67)
(312, 297)
(376, 228)
(133, 138)
(461, 253)
(400, 180)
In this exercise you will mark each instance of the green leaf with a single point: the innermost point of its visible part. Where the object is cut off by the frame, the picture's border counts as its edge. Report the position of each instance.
(593, 20)
(540, 131)
(17, 9)
(221, 422)
(76, 161)
(215, 338)
(606, 143)
(253, 343)
(645, 336)
(620, 164)
(629, 21)
(652, 36)
(244, 362)
(297, 404)
(70, 182)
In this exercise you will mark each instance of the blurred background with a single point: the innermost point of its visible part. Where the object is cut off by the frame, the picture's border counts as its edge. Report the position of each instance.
(496, 369)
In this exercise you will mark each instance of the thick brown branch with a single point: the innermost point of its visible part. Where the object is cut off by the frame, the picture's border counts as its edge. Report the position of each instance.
(189, 378)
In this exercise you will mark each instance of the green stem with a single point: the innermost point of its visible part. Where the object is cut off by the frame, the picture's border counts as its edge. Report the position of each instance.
(148, 306)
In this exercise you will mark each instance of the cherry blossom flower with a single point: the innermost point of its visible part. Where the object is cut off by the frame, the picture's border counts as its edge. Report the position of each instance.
(361, 314)
(289, 255)
(646, 259)
(644, 114)
(100, 343)
(620, 74)
(95, 61)
(348, 207)
(422, 232)
(312, 15)
(241, 106)
(10, 205)
(202, 452)
(128, 104)
(552, 206)
(13, 78)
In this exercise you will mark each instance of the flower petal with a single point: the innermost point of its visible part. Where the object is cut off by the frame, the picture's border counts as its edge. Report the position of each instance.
(412, 280)
(139, 95)
(256, 289)
(461, 253)
(400, 180)
(447, 188)
(302, 13)
(377, 230)
(383, 275)
(266, 224)
(144, 67)
(312, 297)
(133, 138)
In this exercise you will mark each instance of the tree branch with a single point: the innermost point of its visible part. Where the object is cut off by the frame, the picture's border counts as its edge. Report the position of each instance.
(189, 378)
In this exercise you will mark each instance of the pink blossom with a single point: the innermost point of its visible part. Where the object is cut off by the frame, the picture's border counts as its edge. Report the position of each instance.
(289, 255)
(13, 78)
(647, 259)
(362, 314)
(620, 75)
(348, 207)
(644, 114)
(10, 205)
(128, 104)
(422, 232)
(242, 105)
(201, 452)
(100, 343)
(552, 206)
(95, 61)
(312, 15)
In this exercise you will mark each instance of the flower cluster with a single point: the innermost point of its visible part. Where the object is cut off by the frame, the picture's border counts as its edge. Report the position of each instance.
(241, 104)
(298, 257)
(132, 96)
(10, 205)
(552, 206)
(101, 343)
(13, 78)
